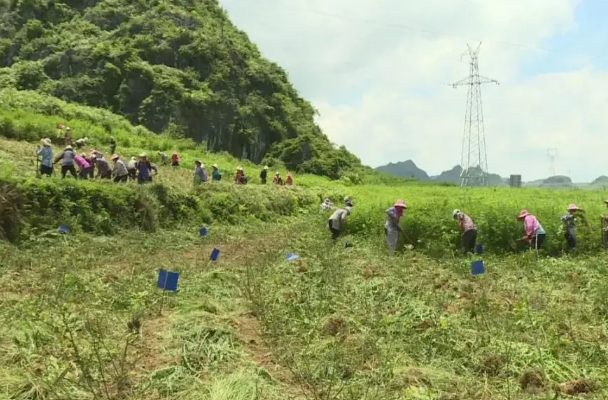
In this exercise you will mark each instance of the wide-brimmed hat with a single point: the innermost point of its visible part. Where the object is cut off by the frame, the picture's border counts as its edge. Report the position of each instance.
(523, 214)
(68, 147)
(142, 155)
(215, 166)
(400, 203)
(68, 129)
(455, 212)
(265, 166)
(239, 168)
(574, 207)
(46, 142)
(115, 156)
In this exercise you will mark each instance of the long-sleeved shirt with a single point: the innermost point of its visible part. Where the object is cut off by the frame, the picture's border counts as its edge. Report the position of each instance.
(216, 175)
(120, 168)
(338, 217)
(132, 164)
(392, 218)
(200, 174)
(81, 162)
(47, 156)
(66, 157)
(532, 227)
(569, 221)
(466, 223)
(103, 167)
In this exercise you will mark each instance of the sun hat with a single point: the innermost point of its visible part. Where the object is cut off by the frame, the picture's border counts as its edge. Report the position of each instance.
(455, 212)
(400, 203)
(68, 147)
(46, 142)
(523, 214)
(143, 155)
(239, 168)
(265, 166)
(215, 166)
(115, 156)
(573, 207)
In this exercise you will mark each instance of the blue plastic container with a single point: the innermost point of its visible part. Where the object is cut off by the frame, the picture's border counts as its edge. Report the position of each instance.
(477, 267)
(479, 249)
(167, 280)
(215, 253)
(202, 231)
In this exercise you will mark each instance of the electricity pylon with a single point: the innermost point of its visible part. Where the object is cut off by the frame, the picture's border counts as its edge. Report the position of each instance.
(474, 160)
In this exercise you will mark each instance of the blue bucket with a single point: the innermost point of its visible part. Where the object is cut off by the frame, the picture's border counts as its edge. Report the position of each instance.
(202, 231)
(477, 267)
(167, 280)
(479, 249)
(215, 253)
(64, 229)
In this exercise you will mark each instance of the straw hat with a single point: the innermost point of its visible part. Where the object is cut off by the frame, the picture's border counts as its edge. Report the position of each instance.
(46, 142)
(400, 203)
(68, 147)
(265, 166)
(143, 155)
(215, 166)
(115, 157)
(523, 214)
(455, 213)
(574, 207)
(239, 168)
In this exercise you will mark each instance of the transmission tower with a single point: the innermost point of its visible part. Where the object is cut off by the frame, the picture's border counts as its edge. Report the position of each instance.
(552, 154)
(474, 161)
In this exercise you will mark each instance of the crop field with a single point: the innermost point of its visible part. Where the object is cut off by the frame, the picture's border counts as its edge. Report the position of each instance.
(83, 319)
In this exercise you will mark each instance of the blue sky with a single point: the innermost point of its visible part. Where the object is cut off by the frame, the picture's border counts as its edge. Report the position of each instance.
(382, 91)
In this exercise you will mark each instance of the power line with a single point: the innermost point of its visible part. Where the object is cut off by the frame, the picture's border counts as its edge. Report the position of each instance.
(311, 10)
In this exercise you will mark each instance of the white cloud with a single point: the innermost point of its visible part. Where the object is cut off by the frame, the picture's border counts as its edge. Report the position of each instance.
(378, 70)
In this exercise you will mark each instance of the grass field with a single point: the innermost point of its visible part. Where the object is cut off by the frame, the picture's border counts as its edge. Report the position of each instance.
(337, 323)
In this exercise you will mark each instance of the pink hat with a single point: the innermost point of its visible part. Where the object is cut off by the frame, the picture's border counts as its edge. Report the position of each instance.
(523, 214)
(573, 207)
(400, 203)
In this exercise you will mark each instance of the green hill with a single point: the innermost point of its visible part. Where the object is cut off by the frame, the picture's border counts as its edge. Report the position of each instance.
(180, 67)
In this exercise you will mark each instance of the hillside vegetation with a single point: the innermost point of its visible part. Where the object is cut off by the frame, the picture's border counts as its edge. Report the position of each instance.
(87, 322)
(179, 67)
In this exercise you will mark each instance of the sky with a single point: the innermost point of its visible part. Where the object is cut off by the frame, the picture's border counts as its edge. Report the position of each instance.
(378, 72)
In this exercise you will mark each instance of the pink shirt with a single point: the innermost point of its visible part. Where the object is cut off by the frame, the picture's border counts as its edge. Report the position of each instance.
(466, 223)
(531, 225)
(81, 162)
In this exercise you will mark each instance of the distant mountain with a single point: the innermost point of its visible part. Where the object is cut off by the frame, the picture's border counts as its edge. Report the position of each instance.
(410, 169)
(407, 169)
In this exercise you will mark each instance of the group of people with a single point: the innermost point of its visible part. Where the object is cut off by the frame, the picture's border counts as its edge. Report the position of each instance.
(83, 166)
(534, 233)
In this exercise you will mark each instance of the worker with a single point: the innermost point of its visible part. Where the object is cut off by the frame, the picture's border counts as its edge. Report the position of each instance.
(143, 169)
(132, 168)
(277, 180)
(468, 229)
(175, 159)
(534, 233)
(326, 205)
(264, 174)
(289, 179)
(200, 173)
(348, 201)
(391, 226)
(216, 175)
(120, 171)
(113, 146)
(573, 214)
(240, 178)
(103, 166)
(80, 143)
(67, 162)
(83, 166)
(604, 224)
(335, 223)
(68, 136)
(45, 152)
